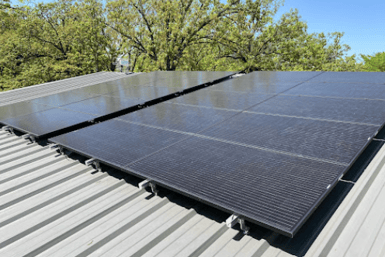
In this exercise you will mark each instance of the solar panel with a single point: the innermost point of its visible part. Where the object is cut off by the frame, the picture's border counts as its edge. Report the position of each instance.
(102, 101)
(102, 105)
(221, 99)
(282, 76)
(323, 140)
(63, 98)
(175, 83)
(245, 85)
(340, 90)
(344, 110)
(271, 189)
(146, 93)
(20, 109)
(178, 117)
(128, 142)
(351, 77)
(237, 178)
(271, 158)
(36, 123)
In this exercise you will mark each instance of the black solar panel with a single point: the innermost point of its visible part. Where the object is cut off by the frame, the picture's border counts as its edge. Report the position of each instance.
(41, 123)
(222, 99)
(104, 100)
(347, 110)
(178, 117)
(282, 76)
(118, 142)
(144, 93)
(20, 109)
(245, 85)
(330, 141)
(351, 77)
(63, 98)
(340, 90)
(274, 190)
(102, 105)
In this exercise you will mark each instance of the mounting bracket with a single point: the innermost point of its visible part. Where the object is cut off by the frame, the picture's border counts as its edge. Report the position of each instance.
(57, 147)
(238, 75)
(94, 162)
(148, 183)
(29, 137)
(234, 219)
(7, 128)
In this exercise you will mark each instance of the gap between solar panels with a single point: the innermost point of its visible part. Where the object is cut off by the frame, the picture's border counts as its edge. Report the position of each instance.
(53, 115)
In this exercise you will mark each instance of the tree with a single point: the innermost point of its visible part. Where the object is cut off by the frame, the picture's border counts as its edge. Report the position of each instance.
(55, 41)
(256, 42)
(162, 31)
(374, 63)
(67, 38)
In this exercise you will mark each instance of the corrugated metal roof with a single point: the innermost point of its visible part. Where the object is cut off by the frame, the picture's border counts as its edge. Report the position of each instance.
(28, 93)
(357, 228)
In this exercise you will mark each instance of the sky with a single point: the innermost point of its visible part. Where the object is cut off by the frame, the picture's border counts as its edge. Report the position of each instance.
(363, 21)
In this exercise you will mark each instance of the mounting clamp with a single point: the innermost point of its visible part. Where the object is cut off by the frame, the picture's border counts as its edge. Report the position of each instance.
(237, 75)
(7, 128)
(57, 147)
(148, 183)
(94, 162)
(29, 137)
(234, 219)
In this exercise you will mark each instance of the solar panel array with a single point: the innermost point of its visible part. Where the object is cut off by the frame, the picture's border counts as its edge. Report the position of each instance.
(268, 146)
(51, 114)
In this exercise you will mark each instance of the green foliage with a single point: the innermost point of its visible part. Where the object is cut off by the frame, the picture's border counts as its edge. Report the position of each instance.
(374, 63)
(162, 31)
(54, 41)
(67, 38)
